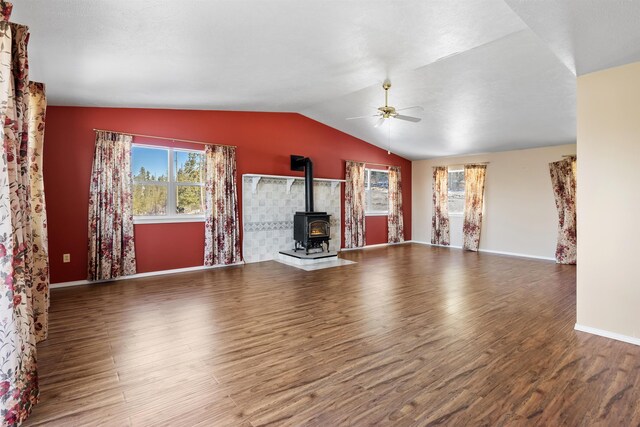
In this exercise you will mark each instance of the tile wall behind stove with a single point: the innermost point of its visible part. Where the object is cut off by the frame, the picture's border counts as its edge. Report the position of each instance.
(268, 214)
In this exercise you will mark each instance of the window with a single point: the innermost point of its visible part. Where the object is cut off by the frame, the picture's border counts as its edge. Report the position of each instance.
(376, 187)
(167, 184)
(456, 191)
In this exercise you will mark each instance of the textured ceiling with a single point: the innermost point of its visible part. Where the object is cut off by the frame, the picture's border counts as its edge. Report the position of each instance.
(490, 74)
(586, 35)
(506, 94)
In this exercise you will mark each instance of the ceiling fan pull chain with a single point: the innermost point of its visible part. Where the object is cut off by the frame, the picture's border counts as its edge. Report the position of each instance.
(389, 140)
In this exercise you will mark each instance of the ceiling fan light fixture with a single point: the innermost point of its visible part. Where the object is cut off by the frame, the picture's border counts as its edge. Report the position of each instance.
(389, 112)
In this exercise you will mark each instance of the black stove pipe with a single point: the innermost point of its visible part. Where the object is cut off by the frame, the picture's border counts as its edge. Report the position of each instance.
(308, 184)
(299, 163)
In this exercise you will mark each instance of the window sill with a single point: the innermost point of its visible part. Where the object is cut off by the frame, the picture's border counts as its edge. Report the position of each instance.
(167, 219)
(376, 214)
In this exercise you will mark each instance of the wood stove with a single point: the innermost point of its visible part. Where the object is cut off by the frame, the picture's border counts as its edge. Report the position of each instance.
(311, 230)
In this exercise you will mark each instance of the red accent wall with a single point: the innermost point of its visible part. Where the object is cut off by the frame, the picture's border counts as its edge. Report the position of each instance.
(264, 141)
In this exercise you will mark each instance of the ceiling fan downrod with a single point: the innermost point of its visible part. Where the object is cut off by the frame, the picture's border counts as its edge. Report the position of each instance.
(387, 111)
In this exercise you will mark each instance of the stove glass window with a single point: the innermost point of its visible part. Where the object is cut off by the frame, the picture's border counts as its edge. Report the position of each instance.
(318, 229)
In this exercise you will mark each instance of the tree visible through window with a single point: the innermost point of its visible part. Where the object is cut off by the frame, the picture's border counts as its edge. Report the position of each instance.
(150, 177)
(376, 184)
(456, 191)
(167, 182)
(189, 169)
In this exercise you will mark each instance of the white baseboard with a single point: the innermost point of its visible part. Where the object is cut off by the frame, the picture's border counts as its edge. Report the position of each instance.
(72, 283)
(418, 242)
(486, 251)
(140, 275)
(379, 245)
(517, 254)
(607, 334)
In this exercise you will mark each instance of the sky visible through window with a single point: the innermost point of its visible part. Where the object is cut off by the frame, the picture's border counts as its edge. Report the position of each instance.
(155, 161)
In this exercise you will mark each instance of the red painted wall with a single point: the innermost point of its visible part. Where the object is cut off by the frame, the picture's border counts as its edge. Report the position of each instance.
(264, 141)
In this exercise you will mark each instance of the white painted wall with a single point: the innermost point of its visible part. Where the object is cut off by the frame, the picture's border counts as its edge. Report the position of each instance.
(520, 215)
(455, 230)
(608, 296)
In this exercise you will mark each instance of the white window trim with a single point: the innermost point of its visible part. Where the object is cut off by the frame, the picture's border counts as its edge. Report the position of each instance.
(162, 219)
(171, 185)
(368, 212)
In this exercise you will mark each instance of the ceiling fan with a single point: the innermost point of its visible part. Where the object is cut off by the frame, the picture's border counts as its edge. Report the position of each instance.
(389, 112)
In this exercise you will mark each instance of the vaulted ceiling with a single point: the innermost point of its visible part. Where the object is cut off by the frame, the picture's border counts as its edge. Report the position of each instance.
(490, 74)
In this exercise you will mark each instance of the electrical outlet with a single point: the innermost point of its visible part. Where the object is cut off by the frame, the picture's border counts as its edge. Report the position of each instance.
(66, 258)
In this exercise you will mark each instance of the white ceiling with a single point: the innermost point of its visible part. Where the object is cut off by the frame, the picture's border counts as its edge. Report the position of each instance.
(586, 35)
(491, 74)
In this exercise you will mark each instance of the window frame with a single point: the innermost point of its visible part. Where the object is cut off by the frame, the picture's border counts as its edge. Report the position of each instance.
(449, 170)
(172, 189)
(367, 188)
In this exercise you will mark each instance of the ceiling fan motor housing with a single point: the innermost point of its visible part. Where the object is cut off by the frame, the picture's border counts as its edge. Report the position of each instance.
(388, 111)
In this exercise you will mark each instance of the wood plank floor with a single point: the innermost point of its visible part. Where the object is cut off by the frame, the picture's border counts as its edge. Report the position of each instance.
(410, 335)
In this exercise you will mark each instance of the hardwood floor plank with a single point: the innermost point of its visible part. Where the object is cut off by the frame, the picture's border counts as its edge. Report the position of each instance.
(410, 335)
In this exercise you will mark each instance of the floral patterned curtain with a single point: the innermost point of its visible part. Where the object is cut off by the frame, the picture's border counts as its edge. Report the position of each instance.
(354, 206)
(395, 219)
(18, 371)
(440, 218)
(111, 244)
(37, 111)
(474, 176)
(563, 179)
(222, 229)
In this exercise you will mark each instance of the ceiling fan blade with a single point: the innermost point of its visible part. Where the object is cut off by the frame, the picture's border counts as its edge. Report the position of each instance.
(361, 117)
(416, 107)
(407, 118)
(379, 122)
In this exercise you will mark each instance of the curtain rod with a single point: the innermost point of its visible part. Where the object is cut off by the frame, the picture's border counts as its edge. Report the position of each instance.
(461, 164)
(164, 138)
(371, 163)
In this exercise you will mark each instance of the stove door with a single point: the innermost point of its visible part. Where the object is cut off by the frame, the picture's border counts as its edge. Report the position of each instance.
(319, 228)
